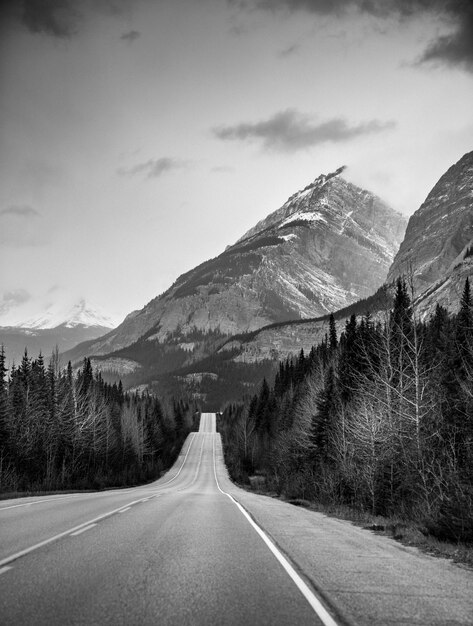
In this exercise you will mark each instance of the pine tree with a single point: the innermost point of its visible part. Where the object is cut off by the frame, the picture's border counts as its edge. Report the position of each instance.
(4, 412)
(348, 365)
(333, 341)
(464, 322)
(323, 420)
(401, 316)
(86, 378)
(300, 368)
(262, 406)
(463, 362)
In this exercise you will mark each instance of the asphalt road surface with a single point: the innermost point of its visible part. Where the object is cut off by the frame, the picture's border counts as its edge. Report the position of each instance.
(191, 548)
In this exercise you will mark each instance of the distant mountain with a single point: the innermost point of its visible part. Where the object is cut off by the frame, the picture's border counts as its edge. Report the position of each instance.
(438, 246)
(328, 245)
(52, 312)
(61, 324)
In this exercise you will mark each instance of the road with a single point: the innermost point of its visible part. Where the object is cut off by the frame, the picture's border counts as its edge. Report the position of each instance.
(192, 548)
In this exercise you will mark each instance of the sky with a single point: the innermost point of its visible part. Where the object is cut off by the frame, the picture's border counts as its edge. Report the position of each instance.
(139, 138)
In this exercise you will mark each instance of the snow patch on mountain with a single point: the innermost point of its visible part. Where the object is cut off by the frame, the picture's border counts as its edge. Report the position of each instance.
(306, 216)
(53, 312)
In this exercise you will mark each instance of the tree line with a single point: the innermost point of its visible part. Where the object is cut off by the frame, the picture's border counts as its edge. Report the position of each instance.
(380, 419)
(60, 429)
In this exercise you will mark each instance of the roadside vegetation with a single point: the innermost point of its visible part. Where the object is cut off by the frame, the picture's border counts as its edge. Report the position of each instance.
(378, 422)
(60, 430)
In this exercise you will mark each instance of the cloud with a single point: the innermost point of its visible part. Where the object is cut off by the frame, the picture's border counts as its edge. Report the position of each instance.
(62, 19)
(455, 48)
(22, 211)
(131, 36)
(290, 51)
(289, 131)
(14, 298)
(21, 225)
(58, 18)
(153, 168)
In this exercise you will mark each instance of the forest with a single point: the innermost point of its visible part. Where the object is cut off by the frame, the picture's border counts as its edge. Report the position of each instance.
(61, 429)
(379, 419)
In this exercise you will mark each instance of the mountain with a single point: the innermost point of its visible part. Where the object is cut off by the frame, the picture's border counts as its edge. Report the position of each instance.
(329, 227)
(52, 311)
(438, 245)
(79, 314)
(60, 323)
(437, 249)
(328, 245)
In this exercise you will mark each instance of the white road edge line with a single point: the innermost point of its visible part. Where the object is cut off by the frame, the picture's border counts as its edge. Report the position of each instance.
(5, 569)
(82, 530)
(308, 594)
(125, 510)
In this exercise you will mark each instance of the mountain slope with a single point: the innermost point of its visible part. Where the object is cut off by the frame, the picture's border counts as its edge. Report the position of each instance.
(327, 246)
(438, 238)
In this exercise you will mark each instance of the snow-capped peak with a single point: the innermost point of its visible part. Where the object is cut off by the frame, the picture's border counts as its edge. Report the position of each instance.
(54, 313)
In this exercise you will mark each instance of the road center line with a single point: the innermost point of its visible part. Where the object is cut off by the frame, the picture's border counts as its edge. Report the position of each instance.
(56, 499)
(83, 530)
(309, 595)
(70, 531)
(125, 510)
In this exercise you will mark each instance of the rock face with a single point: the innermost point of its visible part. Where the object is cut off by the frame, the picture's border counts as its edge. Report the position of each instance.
(327, 246)
(438, 239)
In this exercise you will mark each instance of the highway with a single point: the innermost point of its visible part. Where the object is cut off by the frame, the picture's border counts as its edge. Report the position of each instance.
(192, 548)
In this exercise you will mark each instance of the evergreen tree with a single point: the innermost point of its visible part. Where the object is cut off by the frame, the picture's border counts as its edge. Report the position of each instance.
(333, 341)
(4, 409)
(262, 407)
(323, 421)
(464, 373)
(464, 324)
(349, 360)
